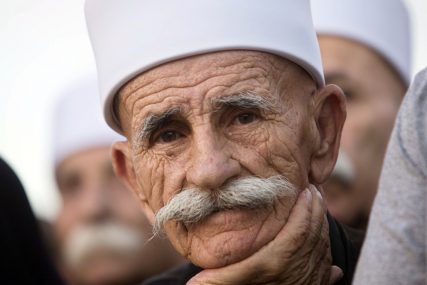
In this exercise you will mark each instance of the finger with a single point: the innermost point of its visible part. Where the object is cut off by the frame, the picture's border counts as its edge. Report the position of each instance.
(297, 228)
(206, 277)
(318, 243)
(291, 237)
(238, 273)
(336, 275)
(319, 191)
(318, 218)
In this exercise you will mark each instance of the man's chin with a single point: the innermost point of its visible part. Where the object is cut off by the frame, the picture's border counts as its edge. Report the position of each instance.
(106, 272)
(228, 237)
(223, 257)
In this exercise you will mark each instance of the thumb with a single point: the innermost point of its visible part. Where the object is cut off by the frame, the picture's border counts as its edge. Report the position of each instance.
(336, 275)
(205, 277)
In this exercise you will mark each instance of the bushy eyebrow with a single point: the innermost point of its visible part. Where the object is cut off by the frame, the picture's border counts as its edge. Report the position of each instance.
(154, 121)
(335, 76)
(244, 100)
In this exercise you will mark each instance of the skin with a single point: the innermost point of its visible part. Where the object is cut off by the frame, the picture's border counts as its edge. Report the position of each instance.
(205, 145)
(374, 92)
(285, 264)
(92, 194)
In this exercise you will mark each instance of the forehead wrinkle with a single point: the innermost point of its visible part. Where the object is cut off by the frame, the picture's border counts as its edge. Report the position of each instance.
(244, 99)
(165, 94)
(150, 79)
(161, 84)
(256, 65)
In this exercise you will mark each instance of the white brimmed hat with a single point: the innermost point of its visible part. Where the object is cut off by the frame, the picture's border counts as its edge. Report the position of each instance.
(383, 25)
(131, 36)
(78, 123)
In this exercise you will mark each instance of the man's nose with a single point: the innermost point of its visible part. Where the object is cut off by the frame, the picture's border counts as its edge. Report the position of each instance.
(97, 204)
(212, 164)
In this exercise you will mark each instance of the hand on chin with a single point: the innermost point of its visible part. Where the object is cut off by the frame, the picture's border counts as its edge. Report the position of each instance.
(299, 254)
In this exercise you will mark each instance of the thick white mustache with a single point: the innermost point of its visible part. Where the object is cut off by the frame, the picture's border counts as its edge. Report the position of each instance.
(192, 205)
(87, 240)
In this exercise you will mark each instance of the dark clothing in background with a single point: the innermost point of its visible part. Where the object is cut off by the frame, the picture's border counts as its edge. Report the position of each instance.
(23, 258)
(344, 255)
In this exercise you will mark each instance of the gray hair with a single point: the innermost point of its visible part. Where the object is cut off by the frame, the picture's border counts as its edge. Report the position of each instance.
(192, 205)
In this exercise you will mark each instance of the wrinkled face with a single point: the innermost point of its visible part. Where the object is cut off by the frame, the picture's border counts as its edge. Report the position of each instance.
(100, 229)
(207, 120)
(374, 92)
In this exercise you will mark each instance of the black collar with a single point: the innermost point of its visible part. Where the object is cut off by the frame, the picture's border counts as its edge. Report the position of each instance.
(344, 254)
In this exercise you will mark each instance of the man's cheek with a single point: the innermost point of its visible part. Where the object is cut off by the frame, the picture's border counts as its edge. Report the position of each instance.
(253, 159)
(280, 153)
(63, 226)
(174, 177)
(151, 174)
(249, 136)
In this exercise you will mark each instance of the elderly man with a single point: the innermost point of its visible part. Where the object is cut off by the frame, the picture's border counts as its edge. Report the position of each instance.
(227, 120)
(100, 229)
(365, 46)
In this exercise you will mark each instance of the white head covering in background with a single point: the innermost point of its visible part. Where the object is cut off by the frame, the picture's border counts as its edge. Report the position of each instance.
(380, 24)
(132, 36)
(78, 122)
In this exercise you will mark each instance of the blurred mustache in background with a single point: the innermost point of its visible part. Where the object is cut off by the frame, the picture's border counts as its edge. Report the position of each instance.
(87, 242)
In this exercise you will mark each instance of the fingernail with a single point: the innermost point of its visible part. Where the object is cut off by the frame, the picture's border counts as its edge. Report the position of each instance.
(308, 195)
(319, 194)
(313, 188)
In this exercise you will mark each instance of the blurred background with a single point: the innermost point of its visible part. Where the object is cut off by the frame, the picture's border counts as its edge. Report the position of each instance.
(44, 47)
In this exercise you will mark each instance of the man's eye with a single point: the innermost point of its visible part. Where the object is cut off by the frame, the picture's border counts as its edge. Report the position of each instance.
(348, 94)
(245, 118)
(71, 185)
(169, 136)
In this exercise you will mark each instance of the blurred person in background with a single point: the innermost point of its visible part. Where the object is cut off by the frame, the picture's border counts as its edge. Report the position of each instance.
(365, 46)
(395, 248)
(24, 258)
(101, 233)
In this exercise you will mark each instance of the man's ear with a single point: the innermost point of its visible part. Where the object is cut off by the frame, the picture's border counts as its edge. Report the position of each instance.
(123, 167)
(330, 114)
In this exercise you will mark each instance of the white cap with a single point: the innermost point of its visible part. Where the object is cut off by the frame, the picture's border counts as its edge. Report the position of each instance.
(132, 36)
(380, 24)
(78, 122)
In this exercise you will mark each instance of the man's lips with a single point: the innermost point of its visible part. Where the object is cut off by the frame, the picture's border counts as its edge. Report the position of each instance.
(227, 220)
